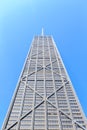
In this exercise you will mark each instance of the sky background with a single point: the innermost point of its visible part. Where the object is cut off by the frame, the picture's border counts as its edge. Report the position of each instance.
(21, 20)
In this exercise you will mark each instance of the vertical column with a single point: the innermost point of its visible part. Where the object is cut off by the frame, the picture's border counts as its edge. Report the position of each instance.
(34, 96)
(45, 103)
(57, 126)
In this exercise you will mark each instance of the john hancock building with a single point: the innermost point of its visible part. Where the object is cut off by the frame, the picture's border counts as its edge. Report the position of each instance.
(44, 98)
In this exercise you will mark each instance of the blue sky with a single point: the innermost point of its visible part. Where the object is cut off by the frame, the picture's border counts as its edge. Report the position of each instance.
(20, 20)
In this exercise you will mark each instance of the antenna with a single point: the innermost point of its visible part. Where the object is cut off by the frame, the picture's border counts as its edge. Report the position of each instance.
(42, 33)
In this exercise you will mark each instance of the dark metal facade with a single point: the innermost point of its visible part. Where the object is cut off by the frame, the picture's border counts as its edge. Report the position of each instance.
(44, 98)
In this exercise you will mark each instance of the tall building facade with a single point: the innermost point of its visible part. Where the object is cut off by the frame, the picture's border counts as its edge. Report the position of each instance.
(44, 98)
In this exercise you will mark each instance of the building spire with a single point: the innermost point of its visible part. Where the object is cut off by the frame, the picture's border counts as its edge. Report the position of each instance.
(42, 33)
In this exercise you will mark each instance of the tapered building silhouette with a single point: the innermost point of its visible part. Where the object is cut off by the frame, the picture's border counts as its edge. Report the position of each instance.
(44, 98)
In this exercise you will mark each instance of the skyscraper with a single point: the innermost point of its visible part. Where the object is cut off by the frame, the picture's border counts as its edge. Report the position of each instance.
(44, 98)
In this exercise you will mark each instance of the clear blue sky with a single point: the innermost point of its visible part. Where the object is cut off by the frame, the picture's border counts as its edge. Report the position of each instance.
(20, 20)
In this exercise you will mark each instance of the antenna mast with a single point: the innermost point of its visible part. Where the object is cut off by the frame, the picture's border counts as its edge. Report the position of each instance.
(42, 33)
